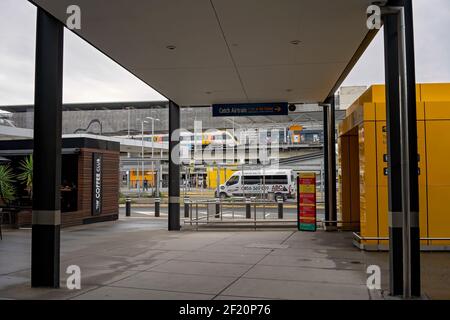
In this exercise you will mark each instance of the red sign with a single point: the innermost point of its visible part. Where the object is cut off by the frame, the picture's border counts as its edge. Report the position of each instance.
(306, 201)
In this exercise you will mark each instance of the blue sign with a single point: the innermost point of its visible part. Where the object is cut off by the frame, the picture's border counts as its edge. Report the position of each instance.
(250, 109)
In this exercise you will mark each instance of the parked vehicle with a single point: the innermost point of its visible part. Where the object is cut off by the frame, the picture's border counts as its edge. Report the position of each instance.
(271, 182)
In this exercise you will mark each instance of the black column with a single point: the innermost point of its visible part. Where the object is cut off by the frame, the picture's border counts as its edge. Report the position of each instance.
(45, 249)
(394, 152)
(413, 151)
(329, 128)
(174, 167)
(394, 155)
(332, 161)
(325, 162)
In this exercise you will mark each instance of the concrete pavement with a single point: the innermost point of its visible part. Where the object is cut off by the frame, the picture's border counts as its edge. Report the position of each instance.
(136, 258)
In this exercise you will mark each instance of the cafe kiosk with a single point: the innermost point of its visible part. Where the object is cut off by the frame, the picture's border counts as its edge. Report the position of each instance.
(89, 181)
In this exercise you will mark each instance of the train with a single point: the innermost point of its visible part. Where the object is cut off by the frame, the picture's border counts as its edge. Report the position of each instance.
(294, 135)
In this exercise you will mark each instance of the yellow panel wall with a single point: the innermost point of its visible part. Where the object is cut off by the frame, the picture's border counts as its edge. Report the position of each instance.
(383, 200)
(368, 180)
(382, 182)
(354, 180)
(368, 114)
(348, 202)
(435, 92)
(437, 116)
(343, 192)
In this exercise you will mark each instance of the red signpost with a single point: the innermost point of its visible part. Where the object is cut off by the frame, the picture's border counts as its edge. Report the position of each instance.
(306, 201)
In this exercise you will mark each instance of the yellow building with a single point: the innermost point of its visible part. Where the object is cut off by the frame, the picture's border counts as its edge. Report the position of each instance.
(363, 193)
(136, 178)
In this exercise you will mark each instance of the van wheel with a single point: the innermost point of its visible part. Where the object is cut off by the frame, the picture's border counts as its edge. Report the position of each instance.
(223, 195)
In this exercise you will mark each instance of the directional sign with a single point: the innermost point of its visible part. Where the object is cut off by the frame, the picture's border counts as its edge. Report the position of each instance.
(250, 109)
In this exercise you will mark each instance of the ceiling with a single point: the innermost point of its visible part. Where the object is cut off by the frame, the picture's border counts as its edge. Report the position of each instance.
(227, 51)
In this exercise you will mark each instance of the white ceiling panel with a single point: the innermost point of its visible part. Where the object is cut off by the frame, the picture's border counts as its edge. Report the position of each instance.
(226, 50)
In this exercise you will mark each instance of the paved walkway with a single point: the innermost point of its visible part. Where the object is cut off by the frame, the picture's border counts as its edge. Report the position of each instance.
(135, 258)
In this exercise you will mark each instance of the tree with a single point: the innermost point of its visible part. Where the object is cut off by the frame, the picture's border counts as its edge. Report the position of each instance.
(7, 190)
(26, 176)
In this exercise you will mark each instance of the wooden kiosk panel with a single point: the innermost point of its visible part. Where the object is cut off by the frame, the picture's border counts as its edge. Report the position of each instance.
(78, 190)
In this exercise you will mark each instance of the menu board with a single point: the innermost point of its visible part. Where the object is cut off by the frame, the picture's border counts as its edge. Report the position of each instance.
(306, 201)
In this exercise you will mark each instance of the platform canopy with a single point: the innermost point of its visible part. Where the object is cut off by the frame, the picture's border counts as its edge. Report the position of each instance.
(201, 52)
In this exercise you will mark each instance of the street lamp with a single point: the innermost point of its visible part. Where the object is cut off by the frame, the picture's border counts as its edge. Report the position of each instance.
(141, 185)
(153, 140)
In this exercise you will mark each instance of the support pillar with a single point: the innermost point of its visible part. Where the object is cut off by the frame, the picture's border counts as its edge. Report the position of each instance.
(45, 245)
(394, 155)
(174, 167)
(325, 162)
(402, 162)
(329, 127)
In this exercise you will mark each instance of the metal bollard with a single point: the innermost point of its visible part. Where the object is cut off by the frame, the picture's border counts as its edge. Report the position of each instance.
(217, 208)
(186, 207)
(280, 208)
(128, 207)
(248, 212)
(157, 207)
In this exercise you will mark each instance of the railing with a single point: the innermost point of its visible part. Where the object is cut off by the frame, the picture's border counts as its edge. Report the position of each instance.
(361, 238)
(238, 211)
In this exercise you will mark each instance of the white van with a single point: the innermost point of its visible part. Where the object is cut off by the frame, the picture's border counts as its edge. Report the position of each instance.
(277, 182)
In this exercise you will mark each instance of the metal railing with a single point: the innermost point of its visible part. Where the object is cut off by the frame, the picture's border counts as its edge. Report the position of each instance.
(244, 211)
(361, 238)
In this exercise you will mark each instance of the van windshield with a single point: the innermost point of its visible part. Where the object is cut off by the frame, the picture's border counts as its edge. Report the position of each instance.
(233, 180)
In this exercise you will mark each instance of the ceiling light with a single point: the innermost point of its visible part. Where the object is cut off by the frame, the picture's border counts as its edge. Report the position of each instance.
(171, 47)
(295, 42)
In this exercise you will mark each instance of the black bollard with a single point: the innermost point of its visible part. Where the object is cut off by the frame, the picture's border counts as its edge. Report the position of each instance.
(128, 207)
(218, 208)
(186, 207)
(280, 208)
(157, 207)
(248, 212)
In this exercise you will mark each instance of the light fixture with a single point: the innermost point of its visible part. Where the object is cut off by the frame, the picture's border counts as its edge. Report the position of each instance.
(295, 42)
(171, 47)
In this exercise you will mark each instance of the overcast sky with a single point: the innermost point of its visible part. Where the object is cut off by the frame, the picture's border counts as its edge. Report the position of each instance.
(89, 76)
